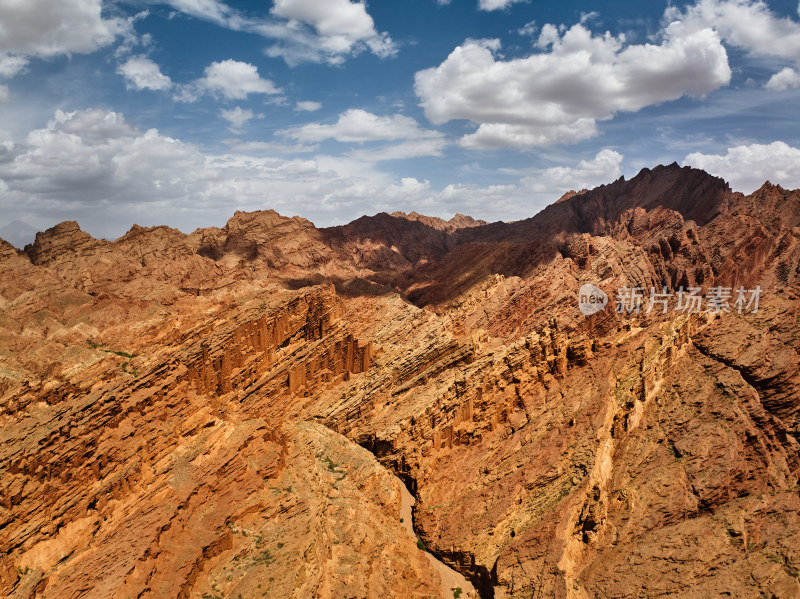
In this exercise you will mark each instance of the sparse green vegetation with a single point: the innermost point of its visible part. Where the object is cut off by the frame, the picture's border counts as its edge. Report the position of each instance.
(334, 468)
(131, 372)
(565, 490)
(456, 592)
(782, 561)
(673, 450)
(420, 544)
(94, 345)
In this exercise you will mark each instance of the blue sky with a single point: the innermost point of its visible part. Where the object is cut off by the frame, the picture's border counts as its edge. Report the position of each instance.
(180, 112)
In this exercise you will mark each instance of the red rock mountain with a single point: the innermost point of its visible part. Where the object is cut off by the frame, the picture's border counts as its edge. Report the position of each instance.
(230, 413)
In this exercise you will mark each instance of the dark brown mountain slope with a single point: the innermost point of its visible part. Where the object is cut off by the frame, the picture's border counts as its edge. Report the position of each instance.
(220, 414)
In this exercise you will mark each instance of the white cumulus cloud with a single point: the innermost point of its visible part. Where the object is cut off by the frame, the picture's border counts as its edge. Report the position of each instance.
(95, 167)
(558, 95)
(333, 18)
(43, 28)
(356, 125)
(302, 30)
(496, 4)
(751, 25)
(308, 106)
(210, 10)
(603, 168)
(401, 151)
(142, 73)
(231, 79)
(341, 26)
(91, 127)
(747, 167)
(528, 29)
(785, 79)
(11, 65)
(237, 116)
(235, 80)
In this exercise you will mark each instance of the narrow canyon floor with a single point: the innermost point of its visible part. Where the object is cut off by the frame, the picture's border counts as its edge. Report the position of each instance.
(409, 407)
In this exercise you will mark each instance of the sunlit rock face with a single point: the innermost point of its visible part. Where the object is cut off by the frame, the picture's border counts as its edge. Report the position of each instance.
(231, 412)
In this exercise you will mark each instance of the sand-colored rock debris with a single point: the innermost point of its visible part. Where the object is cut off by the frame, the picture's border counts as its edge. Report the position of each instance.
(230, 413)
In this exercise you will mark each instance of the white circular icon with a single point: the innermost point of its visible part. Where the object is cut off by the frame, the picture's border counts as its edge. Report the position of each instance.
(591, 299)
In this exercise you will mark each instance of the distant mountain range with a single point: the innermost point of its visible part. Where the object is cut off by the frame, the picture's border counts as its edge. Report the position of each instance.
(230, 412)
(18, 233)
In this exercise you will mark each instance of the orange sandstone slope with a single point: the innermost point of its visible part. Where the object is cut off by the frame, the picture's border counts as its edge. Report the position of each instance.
(221, 414)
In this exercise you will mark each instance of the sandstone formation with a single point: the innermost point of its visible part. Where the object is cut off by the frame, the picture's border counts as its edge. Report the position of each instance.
(230, 413)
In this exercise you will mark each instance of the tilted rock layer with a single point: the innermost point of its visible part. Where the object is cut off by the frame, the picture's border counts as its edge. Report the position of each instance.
(221, 414)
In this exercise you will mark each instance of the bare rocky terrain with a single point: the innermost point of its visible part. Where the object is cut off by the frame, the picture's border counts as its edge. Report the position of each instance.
(240, 411)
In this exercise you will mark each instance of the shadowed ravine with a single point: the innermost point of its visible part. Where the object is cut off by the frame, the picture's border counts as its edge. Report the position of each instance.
(451, 579)
(231, 412)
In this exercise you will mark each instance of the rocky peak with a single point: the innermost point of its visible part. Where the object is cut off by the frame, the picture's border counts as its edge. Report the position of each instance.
(459, 221)
(569, 195)
(773, 203)
(137, 232)
(174, 423)
(244, 221)
(7, 250)
(462, 221)
(693, 193)
(391, 242)
(434, 222)
(64, 238)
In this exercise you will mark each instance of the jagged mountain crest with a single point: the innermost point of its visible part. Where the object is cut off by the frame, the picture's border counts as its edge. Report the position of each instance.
(231, 411)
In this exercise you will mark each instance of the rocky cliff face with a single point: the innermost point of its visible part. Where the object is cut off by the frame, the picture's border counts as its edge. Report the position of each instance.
(182, 469)
(221, 414)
